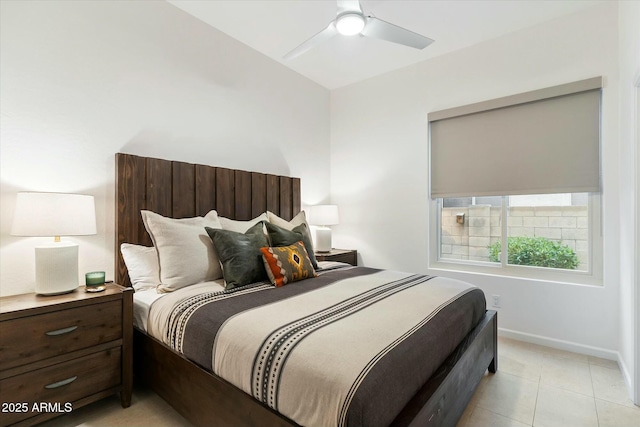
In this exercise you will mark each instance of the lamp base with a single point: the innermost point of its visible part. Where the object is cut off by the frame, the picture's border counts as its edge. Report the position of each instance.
(323, 239)
(56, 268)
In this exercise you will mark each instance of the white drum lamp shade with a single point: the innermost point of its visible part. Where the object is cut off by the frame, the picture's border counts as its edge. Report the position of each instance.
(55, 214)
(323, 216)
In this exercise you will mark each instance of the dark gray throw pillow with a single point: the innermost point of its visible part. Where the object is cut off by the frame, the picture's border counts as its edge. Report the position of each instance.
(240, 255)
(282, 237)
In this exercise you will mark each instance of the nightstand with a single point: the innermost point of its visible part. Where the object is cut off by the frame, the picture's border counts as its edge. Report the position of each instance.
(58, 353)
(349, 256)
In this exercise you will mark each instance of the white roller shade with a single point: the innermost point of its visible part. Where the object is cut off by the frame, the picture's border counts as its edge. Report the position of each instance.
(545, 141)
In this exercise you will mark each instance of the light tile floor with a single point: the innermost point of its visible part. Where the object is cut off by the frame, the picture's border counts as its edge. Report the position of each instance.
(534, 386)
(147, 410)
(544, 387)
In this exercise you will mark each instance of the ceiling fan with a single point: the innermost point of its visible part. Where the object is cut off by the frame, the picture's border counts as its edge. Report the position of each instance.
(351, 20)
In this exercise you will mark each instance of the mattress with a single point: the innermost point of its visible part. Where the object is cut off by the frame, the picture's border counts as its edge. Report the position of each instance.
(348, 348)
(144, 299)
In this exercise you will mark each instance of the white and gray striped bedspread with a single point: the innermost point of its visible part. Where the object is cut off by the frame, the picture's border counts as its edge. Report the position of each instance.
(348, 348)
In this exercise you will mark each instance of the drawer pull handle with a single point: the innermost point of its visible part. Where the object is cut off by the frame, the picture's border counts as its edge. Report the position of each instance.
(61, 331)
(61, 383)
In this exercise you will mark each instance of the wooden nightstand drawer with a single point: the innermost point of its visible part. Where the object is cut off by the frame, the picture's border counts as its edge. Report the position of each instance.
(62, 383)
(340, 255)
(79, 344)
(347, 258)
(28, 339)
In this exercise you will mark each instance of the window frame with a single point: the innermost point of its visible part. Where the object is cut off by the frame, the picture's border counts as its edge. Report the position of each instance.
(592, 276)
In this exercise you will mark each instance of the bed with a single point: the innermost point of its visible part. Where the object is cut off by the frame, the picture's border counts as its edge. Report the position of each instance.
(186, 380)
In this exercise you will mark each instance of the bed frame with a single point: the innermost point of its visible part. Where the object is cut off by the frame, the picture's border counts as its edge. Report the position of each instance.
(180, 190)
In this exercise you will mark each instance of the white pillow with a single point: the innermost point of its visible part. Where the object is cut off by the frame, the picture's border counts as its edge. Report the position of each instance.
(300, 218)
(241, 226)
(142, 265)
(185, 252)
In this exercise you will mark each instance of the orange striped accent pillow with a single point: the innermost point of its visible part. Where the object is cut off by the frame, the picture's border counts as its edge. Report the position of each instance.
(287, 264)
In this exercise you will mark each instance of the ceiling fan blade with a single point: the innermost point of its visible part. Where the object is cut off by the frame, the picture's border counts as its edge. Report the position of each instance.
(345, 6)
(322, 36)
(380, 29)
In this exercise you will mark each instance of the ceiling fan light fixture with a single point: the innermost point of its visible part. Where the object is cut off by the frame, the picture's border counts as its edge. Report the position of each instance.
(351, 20)
(350, 24)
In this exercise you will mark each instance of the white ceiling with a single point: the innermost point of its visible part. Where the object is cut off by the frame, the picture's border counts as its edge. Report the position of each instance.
(274, 27)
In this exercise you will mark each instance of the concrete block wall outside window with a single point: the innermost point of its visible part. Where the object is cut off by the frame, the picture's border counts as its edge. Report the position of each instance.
(483, 226)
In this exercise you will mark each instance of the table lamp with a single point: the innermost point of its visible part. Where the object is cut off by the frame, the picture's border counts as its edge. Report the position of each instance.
(55, 214)
(323, 216)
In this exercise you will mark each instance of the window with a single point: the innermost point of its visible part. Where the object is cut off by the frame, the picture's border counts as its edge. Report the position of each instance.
(550, 232)
(515, 185)
(550, 237)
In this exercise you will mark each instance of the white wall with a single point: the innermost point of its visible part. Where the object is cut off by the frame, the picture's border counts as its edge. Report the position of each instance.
(379, 166)
(629, 36)
(84, 80)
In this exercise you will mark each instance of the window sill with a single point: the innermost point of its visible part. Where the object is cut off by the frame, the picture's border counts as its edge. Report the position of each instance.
(540, 274)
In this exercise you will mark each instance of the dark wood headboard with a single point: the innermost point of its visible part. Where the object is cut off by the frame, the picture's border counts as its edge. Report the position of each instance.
(182, 190)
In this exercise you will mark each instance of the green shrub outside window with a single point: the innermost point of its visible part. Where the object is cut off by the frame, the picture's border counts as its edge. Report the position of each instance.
(536, 251)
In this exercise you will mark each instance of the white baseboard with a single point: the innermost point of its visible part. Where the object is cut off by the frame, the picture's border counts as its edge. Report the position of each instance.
(560, 344)
(627, 379)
